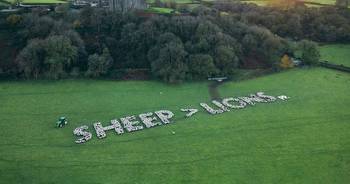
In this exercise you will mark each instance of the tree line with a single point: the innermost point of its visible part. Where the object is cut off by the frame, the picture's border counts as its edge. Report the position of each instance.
(94, 42)
(326, 24)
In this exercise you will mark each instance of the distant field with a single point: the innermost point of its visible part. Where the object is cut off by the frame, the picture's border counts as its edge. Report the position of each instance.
(38, 1)
(257, 2)
(160, 10)
(177, 1)
(337, 54)
(303, 140)
(328, 2)
(189, 2)
(266, 2)
(313, 5)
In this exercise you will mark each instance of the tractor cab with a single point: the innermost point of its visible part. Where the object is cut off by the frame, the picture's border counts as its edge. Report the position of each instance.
(62, 121)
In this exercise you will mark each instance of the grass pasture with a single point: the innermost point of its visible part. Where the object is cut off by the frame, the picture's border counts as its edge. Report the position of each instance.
(38, 1)
(177, 1)
(160, 10)
(190, 4)
(303, 140)
(326, 2)
(336, 54)
(257, 2)
(308, 3)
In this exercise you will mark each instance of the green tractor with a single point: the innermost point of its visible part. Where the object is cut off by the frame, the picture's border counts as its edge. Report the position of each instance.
(62, 121)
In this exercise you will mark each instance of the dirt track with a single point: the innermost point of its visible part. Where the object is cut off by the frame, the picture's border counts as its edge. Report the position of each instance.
(213, 89)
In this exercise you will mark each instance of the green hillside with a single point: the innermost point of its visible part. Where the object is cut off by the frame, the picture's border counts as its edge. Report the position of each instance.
(336, 54)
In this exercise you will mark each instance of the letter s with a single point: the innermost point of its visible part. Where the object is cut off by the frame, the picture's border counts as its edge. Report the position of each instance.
(80, 131)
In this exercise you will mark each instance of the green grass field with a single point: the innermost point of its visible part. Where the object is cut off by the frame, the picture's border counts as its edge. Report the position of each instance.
(160, 10)
(328, 2)
(177, 1)
(336, 54)
(39, 1)
(303, 140)
(258, 2)
(266, 2)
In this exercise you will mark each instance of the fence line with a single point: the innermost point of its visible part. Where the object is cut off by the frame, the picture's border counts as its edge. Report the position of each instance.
(343, 68)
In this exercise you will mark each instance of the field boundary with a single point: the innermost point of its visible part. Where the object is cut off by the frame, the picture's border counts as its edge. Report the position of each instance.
(343, 68)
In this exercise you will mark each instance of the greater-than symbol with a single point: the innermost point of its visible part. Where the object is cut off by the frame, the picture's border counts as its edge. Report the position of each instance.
(190, 112)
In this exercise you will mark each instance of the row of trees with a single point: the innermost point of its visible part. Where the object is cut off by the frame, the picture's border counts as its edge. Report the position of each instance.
(327, 24)
(95, 43)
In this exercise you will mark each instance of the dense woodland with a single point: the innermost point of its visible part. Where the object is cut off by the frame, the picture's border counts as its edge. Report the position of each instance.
(218, 41)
